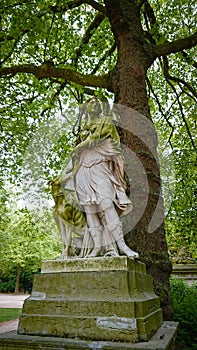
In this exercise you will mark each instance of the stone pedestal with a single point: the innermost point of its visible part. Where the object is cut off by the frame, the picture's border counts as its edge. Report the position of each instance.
(110, 299)
(188, 272)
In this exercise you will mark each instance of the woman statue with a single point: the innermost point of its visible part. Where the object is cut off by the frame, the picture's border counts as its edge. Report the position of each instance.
(99, 184)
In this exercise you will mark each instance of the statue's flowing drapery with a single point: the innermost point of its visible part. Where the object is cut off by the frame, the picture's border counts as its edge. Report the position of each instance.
(96, 172)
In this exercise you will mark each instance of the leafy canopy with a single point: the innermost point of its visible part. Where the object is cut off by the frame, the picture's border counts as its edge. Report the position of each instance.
(55, 54)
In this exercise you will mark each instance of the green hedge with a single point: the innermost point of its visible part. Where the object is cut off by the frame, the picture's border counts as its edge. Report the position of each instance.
(184, 299)
(7, 284)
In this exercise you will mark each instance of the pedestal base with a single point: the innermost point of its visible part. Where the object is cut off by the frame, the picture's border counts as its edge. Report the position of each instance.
(100, 299)
(163, 339)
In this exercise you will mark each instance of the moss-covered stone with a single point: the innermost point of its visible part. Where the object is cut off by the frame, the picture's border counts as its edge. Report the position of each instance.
(163, 339)
(98, 299)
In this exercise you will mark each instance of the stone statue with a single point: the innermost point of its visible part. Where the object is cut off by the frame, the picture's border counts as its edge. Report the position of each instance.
(70, 219)
(96, 175)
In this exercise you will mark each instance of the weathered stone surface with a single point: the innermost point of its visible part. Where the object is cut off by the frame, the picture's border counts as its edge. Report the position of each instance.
(188, 272)
(162, 340)
(93, 264)
(109, 285)
(98, 299)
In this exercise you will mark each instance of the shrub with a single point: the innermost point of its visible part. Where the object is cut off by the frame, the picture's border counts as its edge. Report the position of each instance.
(7, 284)
(184, 298)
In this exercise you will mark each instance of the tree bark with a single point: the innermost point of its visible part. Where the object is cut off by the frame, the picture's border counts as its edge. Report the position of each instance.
(47, 70)
(16, 291)
(138, 136)
(176, 46)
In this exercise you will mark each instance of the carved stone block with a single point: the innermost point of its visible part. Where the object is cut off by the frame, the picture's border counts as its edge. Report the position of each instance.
(96, 298)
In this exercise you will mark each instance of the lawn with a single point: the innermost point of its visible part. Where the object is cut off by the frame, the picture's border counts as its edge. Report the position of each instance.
(7, 314)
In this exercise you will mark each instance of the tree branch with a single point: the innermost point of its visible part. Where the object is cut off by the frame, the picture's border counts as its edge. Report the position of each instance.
(141, 3)
(166, 67)
(86, 90)
(47, 70)
(190, 61)
(150, 13)
(76, 3)
(87, 36)
(102, 60)
(161, 111)
(175, 46)
(152, 34)
(168, 76)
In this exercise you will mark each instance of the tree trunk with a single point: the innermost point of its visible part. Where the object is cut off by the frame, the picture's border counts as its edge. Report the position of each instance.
(139, 141)
(16, 291)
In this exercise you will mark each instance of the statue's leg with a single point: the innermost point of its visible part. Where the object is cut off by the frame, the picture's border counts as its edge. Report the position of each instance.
(110, 247)
(116, 230)
(95, 229)
(62, 230)
(96, 236)
(66, 233)
(114, 226)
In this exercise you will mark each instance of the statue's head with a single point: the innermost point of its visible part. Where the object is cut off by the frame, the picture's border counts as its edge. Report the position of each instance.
(93, 108)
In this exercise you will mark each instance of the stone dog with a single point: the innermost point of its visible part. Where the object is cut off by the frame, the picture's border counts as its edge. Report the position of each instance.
(70, 220)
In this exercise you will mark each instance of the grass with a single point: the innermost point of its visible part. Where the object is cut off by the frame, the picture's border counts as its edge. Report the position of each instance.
(7, 314)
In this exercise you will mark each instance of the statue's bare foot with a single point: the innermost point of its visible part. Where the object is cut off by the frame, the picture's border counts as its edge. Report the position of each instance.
(133, 255)
(111, 253)
(130, 253)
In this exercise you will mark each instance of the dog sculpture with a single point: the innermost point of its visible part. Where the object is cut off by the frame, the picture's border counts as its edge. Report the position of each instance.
(70, 220)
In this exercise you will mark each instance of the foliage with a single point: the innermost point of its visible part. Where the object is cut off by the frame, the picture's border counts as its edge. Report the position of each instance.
(179, 185)
(184, 299)
(28, 240)
(8, 279)
(27, 237)
(182, 217)
(172, 99)
(9, 314)
(79, 38)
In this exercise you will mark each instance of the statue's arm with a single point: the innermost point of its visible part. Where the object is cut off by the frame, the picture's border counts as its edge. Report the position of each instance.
(67, 177)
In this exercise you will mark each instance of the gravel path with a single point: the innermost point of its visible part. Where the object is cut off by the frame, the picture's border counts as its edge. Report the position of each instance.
(12, 300)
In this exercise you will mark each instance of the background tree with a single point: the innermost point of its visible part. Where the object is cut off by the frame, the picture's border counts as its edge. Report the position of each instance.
(182, 216)
(53, 52)
(27, 238)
